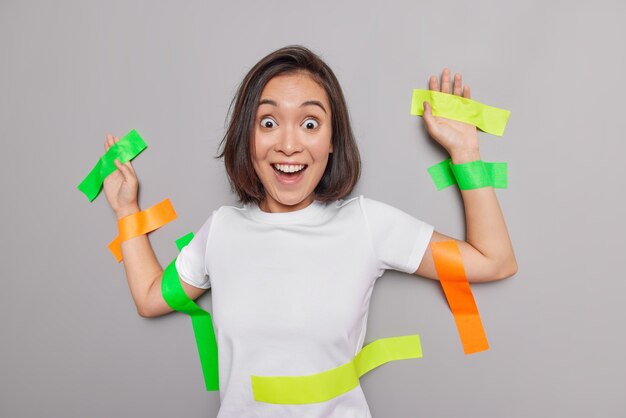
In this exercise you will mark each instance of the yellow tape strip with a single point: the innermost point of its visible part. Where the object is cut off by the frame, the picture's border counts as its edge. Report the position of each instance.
(486, 118)
(321, 387)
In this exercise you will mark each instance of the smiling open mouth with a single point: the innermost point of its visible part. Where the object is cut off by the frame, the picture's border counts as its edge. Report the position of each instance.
(289, 170)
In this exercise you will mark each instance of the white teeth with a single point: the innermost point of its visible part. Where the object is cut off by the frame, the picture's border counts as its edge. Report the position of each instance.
(286, 168)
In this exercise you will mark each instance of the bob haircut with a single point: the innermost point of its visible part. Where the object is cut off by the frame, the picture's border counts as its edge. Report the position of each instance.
(344, 163)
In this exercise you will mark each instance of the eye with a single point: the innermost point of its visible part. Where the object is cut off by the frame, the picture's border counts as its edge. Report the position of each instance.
(310, 123)
(268, 123)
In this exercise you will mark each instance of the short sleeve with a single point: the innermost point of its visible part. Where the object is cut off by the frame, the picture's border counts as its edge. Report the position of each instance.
(191, 261)
(399, 240)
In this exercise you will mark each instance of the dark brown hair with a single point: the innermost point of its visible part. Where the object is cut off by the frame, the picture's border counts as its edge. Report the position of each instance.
(344, 163)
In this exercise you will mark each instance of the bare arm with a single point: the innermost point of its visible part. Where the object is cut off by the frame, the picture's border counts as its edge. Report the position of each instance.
(487, 251)
(143, 270)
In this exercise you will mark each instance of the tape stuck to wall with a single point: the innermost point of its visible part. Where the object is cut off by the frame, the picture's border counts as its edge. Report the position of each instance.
(141, 223)
(123, 150)
(449, 266)
(329, 384)
(486, 118)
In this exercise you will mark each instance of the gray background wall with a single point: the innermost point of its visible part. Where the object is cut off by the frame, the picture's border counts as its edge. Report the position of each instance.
(71, 72)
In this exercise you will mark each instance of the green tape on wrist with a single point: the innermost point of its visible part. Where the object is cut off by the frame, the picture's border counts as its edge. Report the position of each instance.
(499, 174)
(177, 299)
(472, 175)
(442, 174)
(486, 118)
(123, 150)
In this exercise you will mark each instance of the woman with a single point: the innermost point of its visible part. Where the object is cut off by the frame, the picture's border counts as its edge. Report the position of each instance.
(293, 269)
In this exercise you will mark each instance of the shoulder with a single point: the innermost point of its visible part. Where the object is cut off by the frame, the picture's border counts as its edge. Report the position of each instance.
(371, 206)
(344, 208)
(230, 212)
(361, 203)
(365, 208)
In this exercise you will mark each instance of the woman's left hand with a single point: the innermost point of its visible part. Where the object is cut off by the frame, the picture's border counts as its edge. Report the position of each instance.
(458, 138)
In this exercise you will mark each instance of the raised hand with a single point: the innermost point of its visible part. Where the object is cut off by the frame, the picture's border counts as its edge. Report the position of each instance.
(121, 186)
(458, 138)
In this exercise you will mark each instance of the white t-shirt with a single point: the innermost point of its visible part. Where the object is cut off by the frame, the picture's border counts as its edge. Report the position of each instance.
(291, 292)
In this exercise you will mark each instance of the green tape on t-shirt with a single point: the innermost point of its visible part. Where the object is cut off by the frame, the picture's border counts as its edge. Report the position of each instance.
(486, 118)
(472, 175)
(123, 150)
(177, 299)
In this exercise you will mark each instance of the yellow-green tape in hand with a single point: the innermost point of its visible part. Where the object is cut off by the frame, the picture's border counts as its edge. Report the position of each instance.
(123, 150)
(486, 118)
(177, 299)
(329, 384)
(470, 175)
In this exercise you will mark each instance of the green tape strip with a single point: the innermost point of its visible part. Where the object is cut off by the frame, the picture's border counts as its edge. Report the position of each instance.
(177, 299)
(183, 241)
(486, 118)
(470, 175)
(499, 174)
(123, 150)
(329, 384)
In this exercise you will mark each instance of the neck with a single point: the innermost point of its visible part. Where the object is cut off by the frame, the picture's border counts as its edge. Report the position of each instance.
(273, 206)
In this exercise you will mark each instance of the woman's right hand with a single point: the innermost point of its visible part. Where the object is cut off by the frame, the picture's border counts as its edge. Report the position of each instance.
(121, 186)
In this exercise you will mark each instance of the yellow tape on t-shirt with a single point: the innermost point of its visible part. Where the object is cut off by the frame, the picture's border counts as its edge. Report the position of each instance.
(321, 387)
(486, 118)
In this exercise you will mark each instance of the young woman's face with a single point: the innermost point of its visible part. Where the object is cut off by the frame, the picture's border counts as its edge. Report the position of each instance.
(292, 141)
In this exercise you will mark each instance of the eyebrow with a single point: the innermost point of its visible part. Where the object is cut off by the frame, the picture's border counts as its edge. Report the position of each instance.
(307, 103)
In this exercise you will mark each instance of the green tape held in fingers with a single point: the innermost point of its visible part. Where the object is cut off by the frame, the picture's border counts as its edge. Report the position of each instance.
(472, 175)
(486, 118)
(123, 150)
(177, 299)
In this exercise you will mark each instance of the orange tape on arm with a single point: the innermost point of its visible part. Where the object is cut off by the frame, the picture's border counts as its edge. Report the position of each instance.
(449, 266)
(141, 223)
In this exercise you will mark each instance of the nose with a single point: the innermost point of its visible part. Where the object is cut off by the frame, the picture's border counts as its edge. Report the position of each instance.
(289, 141)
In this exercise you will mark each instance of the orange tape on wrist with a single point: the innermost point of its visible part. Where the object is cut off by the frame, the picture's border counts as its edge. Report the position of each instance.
(449, 266)
(141, 223)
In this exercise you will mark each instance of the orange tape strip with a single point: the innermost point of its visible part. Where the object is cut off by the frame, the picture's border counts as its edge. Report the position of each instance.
(449, 266)
(141, 223)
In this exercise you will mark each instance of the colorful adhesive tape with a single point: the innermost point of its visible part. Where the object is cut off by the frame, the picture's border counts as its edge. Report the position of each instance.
(123, 150)
(141, 223)
(329, 384)
(449, 266)
(177, 299)
(471, 175)
(486, 118)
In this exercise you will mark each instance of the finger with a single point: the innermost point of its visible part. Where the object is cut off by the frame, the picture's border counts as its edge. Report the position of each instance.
(466, 92)
(123, 170)
(433, 83)
(130, 172)
(427, 111)
(457, 89)
(428, 117)
(108, 142)
(130, 167)
(445, 81)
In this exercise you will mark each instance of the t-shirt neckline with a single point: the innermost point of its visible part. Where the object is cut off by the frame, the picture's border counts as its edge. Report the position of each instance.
(285, 217)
